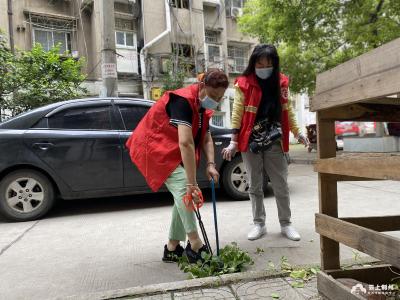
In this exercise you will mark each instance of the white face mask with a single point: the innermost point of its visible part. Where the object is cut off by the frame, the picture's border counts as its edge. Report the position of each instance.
(209, 103)
(264, 73)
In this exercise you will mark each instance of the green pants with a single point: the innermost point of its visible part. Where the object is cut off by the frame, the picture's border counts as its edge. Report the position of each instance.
(183, 221)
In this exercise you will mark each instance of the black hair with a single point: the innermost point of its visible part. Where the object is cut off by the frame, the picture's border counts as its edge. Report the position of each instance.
(269, 52)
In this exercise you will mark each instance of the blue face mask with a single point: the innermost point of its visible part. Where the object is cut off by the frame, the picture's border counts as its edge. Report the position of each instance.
(209, 103)
(264, 73)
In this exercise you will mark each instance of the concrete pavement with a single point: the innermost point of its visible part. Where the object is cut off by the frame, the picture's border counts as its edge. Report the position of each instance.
(94, 246)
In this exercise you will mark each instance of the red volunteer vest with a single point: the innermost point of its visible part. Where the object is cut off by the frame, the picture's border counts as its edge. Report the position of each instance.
(154, 144)
(252, 98)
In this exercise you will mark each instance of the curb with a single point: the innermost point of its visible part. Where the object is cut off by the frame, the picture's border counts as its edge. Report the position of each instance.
(154, 289)
(191, 284)
(302, 161)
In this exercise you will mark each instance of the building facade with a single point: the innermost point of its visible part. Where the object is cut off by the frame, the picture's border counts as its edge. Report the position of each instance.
(199, 34)
(153, 37)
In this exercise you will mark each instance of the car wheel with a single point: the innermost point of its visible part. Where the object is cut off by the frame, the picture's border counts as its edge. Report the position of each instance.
(235, 179)
(25, 195)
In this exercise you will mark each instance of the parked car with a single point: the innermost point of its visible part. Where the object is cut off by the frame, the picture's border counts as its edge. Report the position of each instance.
(346, 128)
(76, 149)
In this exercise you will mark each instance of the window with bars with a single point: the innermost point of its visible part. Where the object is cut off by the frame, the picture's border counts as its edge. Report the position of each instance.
(212, 36)
(180, 3)
(124, 24)
(124, 34)
(49, 38)
(237, 59)
(214, 53)
(217, 120)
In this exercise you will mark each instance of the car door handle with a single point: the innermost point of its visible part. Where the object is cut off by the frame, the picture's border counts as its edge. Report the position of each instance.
(218, 143)
(43, 146)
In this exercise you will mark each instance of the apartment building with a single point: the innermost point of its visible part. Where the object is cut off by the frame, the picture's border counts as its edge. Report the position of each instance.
(202, 33)
(75, 25)
(149, 35)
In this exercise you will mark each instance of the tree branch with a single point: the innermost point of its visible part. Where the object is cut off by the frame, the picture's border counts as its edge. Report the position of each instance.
(330, 52)
(374, 15)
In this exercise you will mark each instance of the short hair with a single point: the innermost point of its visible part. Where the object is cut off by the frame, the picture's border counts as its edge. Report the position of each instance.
(214, 78)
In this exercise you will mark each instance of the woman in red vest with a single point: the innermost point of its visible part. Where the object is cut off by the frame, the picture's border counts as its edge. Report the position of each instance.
(261, 101)
(166, 147)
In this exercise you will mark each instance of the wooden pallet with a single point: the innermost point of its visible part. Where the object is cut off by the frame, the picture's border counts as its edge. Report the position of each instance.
(363, 89)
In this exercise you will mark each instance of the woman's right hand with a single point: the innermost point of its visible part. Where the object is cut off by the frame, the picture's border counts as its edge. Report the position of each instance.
(195, 192)
(230, 151)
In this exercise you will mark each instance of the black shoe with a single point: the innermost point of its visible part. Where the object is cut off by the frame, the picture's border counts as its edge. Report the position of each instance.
(193, 256)
(172, 256)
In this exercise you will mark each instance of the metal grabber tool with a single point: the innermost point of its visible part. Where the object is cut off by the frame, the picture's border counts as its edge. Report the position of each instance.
(190, 205)
(214, 201)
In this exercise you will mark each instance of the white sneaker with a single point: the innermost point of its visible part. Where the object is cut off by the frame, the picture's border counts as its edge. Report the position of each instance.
(256, 232)
(290, 233)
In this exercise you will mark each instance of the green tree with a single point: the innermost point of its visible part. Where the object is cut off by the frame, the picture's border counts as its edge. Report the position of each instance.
(174, 76)
(313, 35)
(38, 77)
(7, 70)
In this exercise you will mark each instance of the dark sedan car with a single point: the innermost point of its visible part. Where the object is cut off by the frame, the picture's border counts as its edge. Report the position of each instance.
(76, 149)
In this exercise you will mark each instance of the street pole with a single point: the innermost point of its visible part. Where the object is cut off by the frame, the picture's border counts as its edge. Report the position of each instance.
(10, 25)
(108, 53)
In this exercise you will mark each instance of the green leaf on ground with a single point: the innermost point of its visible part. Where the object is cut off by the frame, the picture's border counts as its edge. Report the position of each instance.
(275, 296)
(271, 266)
(259, 251)
(297, 284)
(314, 271)
(231, 260)
(285, 266)
(299, 274)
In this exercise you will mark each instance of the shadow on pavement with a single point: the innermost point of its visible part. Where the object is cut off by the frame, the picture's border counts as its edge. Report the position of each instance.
(122, 203)
(64, 208)
(109, 204)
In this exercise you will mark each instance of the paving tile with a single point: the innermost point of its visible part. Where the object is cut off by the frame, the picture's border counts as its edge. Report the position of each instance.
(309, 291)
(167, 296)
(263, 289)
(206, 294)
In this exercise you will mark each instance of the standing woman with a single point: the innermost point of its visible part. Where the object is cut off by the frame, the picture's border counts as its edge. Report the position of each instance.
(166, 147)
(261, 97)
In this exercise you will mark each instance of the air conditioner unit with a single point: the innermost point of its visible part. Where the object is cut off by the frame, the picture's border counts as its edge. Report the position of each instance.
(236, 12)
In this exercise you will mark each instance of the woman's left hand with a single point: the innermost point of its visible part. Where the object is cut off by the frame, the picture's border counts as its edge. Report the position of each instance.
(212, 173)
(303, 139)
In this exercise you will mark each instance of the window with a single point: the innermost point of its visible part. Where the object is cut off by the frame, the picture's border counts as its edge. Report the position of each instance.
(42, 123)
(212, 36)
(180, 3)
(83, 118)
(48, 39)
(237, 59)
(217, 120)
(184, 50)
(124, 24)
(214, 53)
(131, 115)
(126, 8)
(125, 39)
